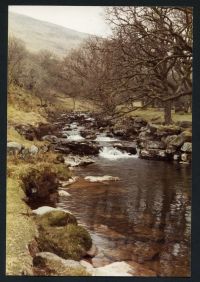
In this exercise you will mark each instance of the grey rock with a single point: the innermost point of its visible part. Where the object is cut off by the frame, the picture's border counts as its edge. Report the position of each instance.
(187, 147)
(14, 148)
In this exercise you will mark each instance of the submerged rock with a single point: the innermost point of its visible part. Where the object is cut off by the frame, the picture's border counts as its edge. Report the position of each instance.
(70, 181)
(101, 178)
(93, 251)
(63, 193)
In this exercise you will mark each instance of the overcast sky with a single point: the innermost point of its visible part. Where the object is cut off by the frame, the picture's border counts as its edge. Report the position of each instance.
(82, 18)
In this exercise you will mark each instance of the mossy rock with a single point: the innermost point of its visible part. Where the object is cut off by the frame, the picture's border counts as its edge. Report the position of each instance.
(187, 135)
(69, 242)
(57, 218)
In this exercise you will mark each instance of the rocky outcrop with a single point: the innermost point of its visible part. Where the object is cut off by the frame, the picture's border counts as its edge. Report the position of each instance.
(158, 142)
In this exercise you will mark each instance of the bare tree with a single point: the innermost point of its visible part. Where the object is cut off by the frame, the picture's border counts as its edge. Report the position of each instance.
(16, 55)
(154, 47)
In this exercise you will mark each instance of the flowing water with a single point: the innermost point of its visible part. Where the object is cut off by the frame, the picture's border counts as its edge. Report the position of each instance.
(143, 217)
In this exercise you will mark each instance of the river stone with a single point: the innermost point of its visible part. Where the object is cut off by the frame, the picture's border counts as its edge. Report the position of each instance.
(187, 147)
(63, 193)
(33, 150)
(45, 209)
(69, 181)
(50, 138)
(177, 141)
(56, 218)
(58, 265)
(78, 148)
(78, 161)
(186, 157)
(153, 154)
(155, 145)
(101, 178)
(176, 157)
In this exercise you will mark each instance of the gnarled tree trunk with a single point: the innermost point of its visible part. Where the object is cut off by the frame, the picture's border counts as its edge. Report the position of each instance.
(168, 112)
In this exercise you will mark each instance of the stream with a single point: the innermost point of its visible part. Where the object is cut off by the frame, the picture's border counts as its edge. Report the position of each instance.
(145, 217)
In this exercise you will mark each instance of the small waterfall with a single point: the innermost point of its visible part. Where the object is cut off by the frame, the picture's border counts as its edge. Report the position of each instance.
(74, 133)
(115, 154)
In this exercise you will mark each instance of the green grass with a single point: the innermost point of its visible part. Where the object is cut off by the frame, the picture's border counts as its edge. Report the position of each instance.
(154, 115)
(20, 229)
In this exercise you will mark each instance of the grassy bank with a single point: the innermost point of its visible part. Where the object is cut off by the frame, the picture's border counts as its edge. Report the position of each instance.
(155, 115)
(20, 227)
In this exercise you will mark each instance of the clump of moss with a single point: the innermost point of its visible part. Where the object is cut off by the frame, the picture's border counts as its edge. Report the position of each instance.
(69, 242)
(57, 218)
(39, 183)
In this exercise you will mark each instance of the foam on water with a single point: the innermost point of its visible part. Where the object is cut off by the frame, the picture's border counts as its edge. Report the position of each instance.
(115, 154)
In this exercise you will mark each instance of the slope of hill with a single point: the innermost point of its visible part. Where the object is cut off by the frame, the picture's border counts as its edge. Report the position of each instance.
(44, 35)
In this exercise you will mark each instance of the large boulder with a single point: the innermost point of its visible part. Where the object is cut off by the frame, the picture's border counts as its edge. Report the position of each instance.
(14, 148)
(180, 139)
(78, 148)
(69, 242)
(57, 266)
(128, 147)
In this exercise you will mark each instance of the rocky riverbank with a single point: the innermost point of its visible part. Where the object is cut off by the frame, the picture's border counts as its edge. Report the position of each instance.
(81, 134)
(62, 247)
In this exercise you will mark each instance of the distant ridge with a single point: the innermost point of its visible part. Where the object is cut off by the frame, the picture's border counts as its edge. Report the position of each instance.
(39, 35)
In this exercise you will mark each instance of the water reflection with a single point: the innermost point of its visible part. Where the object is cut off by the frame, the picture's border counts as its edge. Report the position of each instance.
(145, 217)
